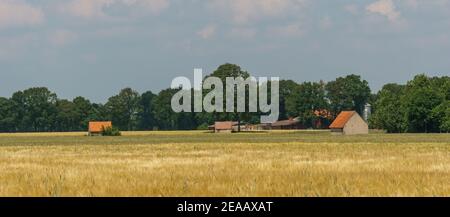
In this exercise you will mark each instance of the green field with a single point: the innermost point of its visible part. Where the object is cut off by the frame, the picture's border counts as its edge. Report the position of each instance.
(287, 163)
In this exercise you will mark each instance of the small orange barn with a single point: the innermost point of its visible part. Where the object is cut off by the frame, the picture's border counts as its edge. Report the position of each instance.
(96, 127)
(349, 123)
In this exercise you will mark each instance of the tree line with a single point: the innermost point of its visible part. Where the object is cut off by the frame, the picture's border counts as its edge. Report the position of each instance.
(422, 105)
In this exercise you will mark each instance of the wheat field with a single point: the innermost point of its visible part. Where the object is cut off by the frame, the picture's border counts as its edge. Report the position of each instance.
(285, 163)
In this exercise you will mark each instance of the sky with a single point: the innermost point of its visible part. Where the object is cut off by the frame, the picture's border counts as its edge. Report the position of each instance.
(94, 48)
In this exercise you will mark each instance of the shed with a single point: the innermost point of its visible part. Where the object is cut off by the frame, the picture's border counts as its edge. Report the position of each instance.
(224, 127)
(290, 124)
(96, 127)
(349, 123)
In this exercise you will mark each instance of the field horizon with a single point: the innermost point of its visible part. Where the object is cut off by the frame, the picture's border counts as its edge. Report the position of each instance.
(196, 163)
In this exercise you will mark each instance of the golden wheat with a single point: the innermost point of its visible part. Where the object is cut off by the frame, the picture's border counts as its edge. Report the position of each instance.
(202, 164)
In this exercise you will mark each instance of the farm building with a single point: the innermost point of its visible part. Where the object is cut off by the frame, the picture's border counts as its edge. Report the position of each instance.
(231, 126)
(263, 126)
(225, 127)
(321, 122)
(349, 123)
(96, 127)
(323, 119)
(290, 124)
(212, 127)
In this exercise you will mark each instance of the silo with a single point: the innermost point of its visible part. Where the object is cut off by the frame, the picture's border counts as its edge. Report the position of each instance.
(367, 111)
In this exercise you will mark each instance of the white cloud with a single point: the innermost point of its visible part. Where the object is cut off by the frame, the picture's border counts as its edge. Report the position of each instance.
(95, 8)
(384, 8)
(247, 11)
(19, 13)
(207, 32)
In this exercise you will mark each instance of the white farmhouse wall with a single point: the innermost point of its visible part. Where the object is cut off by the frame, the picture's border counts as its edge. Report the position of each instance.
(356, 125)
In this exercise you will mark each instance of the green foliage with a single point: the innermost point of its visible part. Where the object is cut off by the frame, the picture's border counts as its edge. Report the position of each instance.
(288, 88)
(234, 71)
(35, 109)
(419, 106)
(7, 120)
(421, 97)
(66, 117)
(229, 70)
(166, 118)
(304, 100)
(124, 108)
(441, 115)
(388, 114)
(348, 93)
(146, 118)
(203, 126)
(445, 125)
(84, 113)
(111, 131)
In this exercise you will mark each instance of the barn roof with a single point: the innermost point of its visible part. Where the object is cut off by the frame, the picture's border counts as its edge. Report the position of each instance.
(323, 113)
(342, 119)
(226, 125)
(289, 122)
(98, 126)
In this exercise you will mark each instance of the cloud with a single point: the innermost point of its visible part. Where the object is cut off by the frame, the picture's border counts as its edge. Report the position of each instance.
(384, 8)
(207, 32)
(95, 8)
(19, 13)
(247, 11)
(87, 8)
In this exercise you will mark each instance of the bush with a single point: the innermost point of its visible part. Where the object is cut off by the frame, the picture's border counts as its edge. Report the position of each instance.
(111, 131)
(203, 126)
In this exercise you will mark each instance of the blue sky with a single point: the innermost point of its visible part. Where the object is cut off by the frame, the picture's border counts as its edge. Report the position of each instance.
(94, 48)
